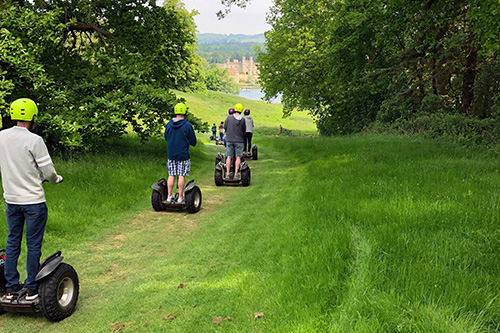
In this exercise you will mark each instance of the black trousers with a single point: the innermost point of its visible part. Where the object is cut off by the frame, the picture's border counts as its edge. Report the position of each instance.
(248, 140)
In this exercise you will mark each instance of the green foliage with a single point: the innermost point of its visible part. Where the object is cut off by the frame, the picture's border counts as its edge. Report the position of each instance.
(450, 127)
(98, 68)
(353, 62)
(218, 79)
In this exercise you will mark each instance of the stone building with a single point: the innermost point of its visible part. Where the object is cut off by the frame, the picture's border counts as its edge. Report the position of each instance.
(244, 71)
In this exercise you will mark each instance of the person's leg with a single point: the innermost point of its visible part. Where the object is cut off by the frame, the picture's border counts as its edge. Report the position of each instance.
(181, 181)
(36, 219)
(15, 222)
(229, 155)
(238, 152)
(185, 169)
(228, 164)
(170, 185)
(172, 172)
(244, 143)
(249, 138)
(237, 165)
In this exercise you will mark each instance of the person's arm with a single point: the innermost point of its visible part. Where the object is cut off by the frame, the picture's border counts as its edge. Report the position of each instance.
(165, 133)
(44, 162)
(192, 136)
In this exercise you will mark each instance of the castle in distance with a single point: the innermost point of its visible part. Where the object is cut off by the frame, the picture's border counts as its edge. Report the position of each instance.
(244, 71)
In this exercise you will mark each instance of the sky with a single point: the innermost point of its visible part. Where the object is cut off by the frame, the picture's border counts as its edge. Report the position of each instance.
(249, 21)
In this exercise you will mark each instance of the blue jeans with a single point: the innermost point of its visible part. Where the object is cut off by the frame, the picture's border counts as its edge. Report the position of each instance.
(35, 217)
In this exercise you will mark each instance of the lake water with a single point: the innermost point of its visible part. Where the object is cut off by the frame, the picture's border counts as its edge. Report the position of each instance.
(256, 94)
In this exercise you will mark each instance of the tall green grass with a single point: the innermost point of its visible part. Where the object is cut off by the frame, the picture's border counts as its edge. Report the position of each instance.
(102, 188)
(354, 234)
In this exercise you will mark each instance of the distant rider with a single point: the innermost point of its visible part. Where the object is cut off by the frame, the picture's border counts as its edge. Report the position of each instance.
(179, 135)
(214, 132)
(23, 155)
(247, 145)
(221, 131)
(235, 136)
(230, 112)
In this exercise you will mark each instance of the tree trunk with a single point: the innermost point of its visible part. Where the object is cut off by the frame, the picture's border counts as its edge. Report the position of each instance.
(469, 78)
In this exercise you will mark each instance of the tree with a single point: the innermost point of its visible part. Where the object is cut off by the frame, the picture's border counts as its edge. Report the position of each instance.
(353, 62)
(218, 79)
(96, 67)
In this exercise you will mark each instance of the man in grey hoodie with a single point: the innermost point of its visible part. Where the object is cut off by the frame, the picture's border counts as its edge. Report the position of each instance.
(235, 128)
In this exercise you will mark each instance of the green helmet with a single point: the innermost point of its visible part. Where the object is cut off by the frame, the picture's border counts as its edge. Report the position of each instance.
(238, 108)
(180, 108)
(23, 109)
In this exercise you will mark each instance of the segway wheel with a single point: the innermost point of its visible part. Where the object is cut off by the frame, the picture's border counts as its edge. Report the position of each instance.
(156, 201)
(193, 200)
(218, 158)
(218, 178)
(254, 153)
(59, 293)
(245, 177)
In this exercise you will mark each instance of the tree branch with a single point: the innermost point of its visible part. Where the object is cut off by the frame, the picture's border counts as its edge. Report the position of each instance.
(80, 26)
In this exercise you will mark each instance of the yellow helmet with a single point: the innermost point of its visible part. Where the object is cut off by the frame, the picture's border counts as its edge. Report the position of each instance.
(180, 108)
(238, 108)
(23, 109)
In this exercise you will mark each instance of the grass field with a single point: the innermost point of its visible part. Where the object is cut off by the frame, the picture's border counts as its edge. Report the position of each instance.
(212, 107)
(354, 234)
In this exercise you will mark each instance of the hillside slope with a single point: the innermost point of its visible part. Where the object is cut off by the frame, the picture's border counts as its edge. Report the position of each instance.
(212, 107)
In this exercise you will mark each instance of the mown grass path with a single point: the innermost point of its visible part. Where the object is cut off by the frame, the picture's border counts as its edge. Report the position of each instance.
(130, 272)
(361, 234)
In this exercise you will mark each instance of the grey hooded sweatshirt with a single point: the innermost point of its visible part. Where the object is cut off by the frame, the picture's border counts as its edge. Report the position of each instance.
(235, 128)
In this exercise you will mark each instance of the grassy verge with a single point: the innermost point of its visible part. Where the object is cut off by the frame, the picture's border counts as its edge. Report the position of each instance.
(359, 234)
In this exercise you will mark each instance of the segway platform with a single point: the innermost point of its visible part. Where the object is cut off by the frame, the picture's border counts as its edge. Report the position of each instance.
(19, 304)
(192, 197)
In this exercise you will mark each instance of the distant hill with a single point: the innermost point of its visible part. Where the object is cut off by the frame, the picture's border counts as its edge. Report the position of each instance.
(216, 48)
(224, 39)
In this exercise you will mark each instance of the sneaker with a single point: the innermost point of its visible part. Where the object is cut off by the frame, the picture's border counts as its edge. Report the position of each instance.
(237, 176)
(11, 292)
(31, 294)
(181, 200)
(169, 199)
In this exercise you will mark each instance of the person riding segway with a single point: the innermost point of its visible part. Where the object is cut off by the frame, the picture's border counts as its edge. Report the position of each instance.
(23, 155)
(234, 127)
(248, 149)
(179, 135)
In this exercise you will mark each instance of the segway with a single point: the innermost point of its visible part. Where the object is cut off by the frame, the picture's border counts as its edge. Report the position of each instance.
(221, 177)
(253, 154)
(192, 195)
(58, 289)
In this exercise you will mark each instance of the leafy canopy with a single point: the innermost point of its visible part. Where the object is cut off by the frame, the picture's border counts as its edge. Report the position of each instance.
(96, 68)
(353, 62)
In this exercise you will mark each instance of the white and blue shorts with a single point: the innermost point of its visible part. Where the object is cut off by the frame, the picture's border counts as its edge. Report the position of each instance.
(178, 168)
